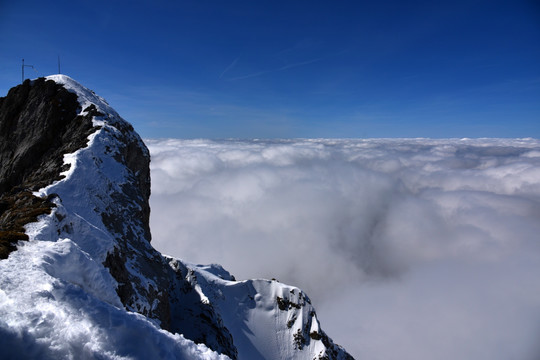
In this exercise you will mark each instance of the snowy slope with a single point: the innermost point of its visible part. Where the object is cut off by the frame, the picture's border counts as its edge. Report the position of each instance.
(268, 319)
(88, 284)
(56, 302)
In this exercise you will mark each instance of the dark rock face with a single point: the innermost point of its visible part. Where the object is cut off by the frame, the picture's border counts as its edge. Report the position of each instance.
(38, 124)
(136, 157)
(174, 302)
(194, 318)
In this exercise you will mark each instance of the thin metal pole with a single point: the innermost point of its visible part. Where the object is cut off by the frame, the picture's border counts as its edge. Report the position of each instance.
(59, 64)
(32, 66)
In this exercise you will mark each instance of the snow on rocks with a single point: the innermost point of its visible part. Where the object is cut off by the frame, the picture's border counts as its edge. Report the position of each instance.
(55, 302)
(268, 319)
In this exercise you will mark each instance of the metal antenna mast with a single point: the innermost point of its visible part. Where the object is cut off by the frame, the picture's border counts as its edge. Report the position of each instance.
(59, 64)
(23, 66)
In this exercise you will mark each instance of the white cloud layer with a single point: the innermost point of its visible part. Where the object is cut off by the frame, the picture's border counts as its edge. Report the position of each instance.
(410, 249)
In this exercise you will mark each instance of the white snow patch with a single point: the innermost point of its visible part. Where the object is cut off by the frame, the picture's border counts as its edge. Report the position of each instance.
(250, 311)
(55, 302)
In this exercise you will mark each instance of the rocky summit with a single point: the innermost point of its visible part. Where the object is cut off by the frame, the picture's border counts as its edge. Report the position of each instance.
(79, 277)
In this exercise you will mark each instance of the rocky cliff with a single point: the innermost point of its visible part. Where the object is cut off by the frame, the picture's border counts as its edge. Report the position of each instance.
(39, 122)
(74, 190)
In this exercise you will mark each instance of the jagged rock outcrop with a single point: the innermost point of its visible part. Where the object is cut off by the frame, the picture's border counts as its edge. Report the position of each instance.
(39, 123)
(75, 183)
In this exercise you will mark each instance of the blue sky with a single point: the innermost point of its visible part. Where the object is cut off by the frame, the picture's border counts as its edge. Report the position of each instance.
(266, 69)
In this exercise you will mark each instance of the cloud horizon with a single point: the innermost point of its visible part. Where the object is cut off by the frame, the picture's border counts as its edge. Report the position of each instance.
(430, 245)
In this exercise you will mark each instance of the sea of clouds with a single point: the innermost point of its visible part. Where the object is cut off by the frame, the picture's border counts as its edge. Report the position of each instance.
(409, 248)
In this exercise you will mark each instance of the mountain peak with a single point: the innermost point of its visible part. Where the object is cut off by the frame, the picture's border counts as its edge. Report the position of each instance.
(87, 282)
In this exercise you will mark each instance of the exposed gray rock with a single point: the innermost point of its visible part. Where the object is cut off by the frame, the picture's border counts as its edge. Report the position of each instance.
(38, 124)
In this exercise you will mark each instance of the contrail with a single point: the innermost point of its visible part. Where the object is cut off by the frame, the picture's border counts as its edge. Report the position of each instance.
(229, 67)
(285, 67)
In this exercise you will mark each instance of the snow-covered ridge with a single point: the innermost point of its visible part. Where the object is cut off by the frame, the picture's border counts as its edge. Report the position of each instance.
(86, 97)
(92, 172)
(88, 284)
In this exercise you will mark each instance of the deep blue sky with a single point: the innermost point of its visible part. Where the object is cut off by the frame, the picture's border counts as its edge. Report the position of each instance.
(244, 69)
